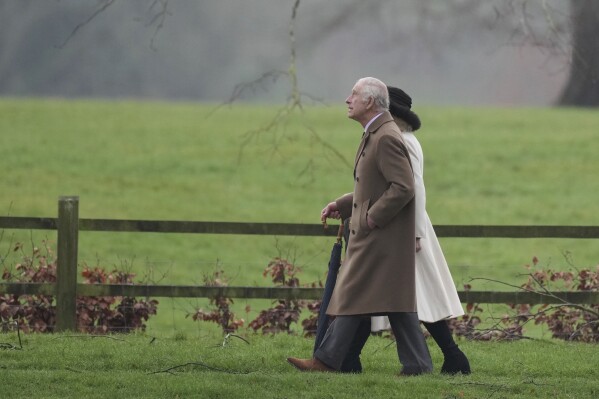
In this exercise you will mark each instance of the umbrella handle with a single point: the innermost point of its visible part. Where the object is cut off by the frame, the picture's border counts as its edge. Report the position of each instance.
(340, 233)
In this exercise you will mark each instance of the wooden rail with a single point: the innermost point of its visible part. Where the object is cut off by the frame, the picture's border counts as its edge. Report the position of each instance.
(68, 224)
(199, 291)
(291, 229)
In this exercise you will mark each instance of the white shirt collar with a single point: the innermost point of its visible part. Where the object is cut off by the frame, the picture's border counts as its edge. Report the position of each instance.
(370, 122)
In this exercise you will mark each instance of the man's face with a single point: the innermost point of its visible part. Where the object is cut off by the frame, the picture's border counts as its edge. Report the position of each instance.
(356, 106)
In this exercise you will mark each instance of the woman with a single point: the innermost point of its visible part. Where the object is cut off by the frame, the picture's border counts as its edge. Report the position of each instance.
(436, 295)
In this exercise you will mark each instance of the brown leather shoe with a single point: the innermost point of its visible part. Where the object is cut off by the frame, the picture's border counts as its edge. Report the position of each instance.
(309, 364)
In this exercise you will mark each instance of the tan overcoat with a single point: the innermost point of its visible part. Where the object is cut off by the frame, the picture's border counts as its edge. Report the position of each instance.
(378, 273)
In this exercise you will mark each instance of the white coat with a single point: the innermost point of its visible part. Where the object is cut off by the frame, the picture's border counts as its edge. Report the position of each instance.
(436, 294)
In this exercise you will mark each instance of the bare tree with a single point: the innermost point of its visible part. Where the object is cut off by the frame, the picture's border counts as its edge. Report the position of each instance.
(294, 104)
(582, 88)
(556, 28)
(569, 32)
(566, 30)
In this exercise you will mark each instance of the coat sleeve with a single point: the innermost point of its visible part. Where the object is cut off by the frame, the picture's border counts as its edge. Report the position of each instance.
(393, 163)
(417, 159)
(344, 204)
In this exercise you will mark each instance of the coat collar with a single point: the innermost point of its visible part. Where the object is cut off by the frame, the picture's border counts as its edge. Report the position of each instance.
(385, 117)
(380, 121)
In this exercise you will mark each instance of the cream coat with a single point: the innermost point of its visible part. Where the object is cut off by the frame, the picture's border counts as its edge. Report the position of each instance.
(378, 273)
(437, 297)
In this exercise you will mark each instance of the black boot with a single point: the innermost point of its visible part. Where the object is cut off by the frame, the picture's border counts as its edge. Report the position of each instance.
(455, 360)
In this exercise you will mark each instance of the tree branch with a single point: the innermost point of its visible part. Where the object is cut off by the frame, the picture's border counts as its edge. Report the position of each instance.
(168, 370)
(294, 102)
(160, 17)
(100, 10)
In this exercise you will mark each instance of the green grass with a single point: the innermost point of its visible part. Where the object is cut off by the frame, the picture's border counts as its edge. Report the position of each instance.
(68, 366)
(178, 161)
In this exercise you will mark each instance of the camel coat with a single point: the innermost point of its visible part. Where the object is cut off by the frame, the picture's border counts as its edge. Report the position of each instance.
(378, 273)
(436, 293)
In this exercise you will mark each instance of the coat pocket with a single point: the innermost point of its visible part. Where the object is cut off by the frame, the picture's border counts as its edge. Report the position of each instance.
(363, 222)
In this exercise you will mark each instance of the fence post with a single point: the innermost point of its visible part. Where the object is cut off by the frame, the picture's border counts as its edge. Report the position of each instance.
(66, 279)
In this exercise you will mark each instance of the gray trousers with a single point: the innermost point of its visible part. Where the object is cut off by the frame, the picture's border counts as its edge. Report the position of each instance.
(411, 346)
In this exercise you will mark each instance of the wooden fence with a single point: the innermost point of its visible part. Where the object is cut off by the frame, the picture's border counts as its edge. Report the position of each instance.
(68, 224)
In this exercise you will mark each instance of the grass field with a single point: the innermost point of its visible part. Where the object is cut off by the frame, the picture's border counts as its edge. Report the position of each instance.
(179, 161)
(206, 366)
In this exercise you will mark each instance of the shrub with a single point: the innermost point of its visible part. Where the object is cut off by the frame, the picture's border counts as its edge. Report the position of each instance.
(221, 306)
(94, 314)
(567, 321)
(285, 312)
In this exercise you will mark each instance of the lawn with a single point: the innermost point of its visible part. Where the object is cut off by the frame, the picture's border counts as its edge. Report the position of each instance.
(205, 365)
(186, 161)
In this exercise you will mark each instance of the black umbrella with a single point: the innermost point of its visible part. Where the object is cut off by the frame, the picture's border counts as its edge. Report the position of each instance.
(334, 263)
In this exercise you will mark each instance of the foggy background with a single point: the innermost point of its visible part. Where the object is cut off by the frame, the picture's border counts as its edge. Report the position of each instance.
(200, 50)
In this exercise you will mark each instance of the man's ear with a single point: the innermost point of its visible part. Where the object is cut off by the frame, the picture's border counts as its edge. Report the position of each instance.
(370, 102)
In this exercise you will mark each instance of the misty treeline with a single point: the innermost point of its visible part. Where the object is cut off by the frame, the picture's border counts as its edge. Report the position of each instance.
(193, 49)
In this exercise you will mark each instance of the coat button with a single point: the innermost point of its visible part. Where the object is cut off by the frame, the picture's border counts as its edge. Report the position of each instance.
(357, 179)
(355, 205)
(353, 231)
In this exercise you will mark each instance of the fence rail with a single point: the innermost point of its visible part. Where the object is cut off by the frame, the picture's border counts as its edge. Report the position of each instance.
(68, 224)
(199, 291)
(291, 229)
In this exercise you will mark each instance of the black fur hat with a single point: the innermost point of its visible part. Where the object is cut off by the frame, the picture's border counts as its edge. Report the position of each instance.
(400, 105)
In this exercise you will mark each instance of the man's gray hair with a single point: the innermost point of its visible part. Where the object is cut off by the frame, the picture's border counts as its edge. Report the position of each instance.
(373, 87)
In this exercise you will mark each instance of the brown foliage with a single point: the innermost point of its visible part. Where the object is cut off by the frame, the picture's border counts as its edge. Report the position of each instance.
(221, 306)
(94, 314)
(276, 319)
(567, 321)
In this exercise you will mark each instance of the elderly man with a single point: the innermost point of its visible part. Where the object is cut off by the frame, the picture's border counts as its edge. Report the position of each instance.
(378, 274)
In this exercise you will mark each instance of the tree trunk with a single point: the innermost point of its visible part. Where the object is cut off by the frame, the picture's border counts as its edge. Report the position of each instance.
(582, 88)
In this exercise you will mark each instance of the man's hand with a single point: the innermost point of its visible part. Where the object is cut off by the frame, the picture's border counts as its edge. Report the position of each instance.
(370, 222)
(418, 247)
(330, 211)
